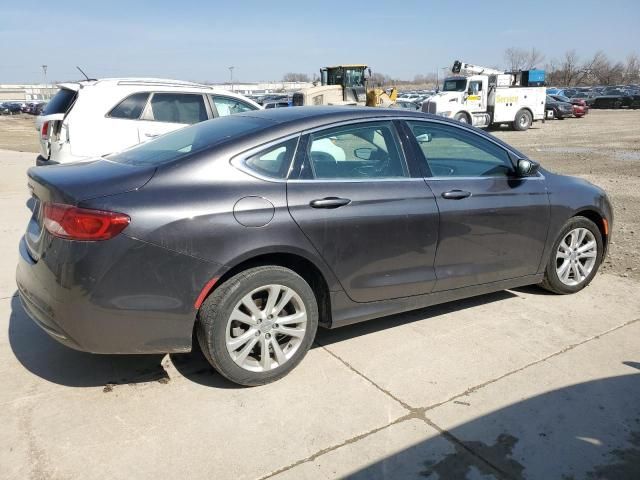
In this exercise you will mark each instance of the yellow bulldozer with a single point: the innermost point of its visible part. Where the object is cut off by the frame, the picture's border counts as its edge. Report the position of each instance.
(345, 85)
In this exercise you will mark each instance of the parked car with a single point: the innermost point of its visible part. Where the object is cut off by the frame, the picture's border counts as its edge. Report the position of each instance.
(11, 108)
(560, 109)
(580, 108)
(92, 118)
(249, 230)
(408, 104)
(614, 97)
(38, 108)
(280, 104)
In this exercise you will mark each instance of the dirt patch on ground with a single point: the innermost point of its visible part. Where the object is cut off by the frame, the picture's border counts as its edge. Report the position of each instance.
(18, 132)
(603, 147)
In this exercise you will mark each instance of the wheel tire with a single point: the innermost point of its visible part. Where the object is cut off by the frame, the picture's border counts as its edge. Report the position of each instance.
(462, 118)
(551, 280)
(522, 121)
(218, 307)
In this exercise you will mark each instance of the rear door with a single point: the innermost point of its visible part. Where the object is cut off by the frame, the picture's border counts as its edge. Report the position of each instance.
(372, 222)
(493, 225)
(169, 111)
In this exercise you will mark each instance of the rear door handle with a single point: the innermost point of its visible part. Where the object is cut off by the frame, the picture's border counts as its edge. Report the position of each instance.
(329, 202)
(151, 135)
(456, 194)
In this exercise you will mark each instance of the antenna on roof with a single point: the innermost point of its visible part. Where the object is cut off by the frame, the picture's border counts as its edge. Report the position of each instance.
(85, 75)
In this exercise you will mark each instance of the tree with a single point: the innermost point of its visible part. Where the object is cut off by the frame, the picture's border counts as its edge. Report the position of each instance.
(569, 67)
(520, 59)
(632, 69)
(295, 77)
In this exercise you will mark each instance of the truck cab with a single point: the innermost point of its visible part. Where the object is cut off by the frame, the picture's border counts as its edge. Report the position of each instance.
(485, 96)
(462, 98)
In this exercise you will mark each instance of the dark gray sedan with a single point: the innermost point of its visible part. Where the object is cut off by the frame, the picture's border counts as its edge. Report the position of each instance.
(258, 227)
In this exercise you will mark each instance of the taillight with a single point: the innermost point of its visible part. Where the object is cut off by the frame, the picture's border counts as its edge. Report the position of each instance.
(44, 133)
(73, 223)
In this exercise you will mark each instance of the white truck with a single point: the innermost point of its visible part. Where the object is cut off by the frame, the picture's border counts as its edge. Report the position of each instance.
(483, 96)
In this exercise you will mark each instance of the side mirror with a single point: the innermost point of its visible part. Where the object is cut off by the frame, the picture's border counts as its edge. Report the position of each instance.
(424, 138)
(527, 168)
(363, 153)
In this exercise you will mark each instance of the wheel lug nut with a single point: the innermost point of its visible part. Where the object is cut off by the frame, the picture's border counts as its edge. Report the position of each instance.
(275, 325)
(268, 335)
(258, 333)
(270, 317)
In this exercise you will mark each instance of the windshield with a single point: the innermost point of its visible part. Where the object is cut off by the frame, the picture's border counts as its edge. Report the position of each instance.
(458, 85)
(188, 140)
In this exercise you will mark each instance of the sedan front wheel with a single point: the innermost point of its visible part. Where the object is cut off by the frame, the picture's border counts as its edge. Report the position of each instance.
(575, 257)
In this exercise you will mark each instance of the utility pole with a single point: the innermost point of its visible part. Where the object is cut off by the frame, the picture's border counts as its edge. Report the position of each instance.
(231, 76)
(44, 71)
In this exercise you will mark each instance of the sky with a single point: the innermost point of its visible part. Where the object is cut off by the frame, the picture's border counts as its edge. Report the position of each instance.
(199, 40)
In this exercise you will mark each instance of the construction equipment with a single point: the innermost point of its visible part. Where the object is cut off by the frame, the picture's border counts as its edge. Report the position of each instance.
(345, 85)
(485, 96)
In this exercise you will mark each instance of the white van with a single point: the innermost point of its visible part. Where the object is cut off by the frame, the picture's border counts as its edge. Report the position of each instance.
(92, 118)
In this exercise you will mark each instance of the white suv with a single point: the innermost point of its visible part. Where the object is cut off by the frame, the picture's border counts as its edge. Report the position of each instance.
(92, 118)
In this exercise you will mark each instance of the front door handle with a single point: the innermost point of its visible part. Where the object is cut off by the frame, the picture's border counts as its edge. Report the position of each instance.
(151, 135)
(456, 194)
(329, 202)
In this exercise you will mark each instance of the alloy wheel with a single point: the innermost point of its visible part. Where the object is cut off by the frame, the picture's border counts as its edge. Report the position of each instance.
(576, 256)
(266, 328)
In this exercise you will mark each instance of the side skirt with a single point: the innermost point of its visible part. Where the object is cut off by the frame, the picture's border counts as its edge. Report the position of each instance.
(346, 312)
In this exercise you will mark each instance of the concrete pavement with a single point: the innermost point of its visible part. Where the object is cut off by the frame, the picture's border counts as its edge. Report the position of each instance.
(516, 384)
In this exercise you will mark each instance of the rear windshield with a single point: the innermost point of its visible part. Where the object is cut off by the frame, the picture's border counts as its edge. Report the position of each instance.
(60, 102)
(188, 140)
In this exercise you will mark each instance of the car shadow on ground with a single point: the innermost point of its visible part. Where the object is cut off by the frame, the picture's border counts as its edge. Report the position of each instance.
(589, 431)
(46, 358)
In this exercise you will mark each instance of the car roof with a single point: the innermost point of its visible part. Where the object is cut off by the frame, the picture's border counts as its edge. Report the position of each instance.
(296, 119)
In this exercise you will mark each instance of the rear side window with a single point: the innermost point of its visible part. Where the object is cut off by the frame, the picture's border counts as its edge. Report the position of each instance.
(273, 162)
(186, 141)
(178, 108)
(61, 102)
(228, 106)
(131, 107)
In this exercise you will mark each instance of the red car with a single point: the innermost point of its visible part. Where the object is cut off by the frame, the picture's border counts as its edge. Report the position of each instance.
(580, 107)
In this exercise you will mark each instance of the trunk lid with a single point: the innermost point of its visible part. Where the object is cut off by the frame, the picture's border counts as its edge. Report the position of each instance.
(71, 184)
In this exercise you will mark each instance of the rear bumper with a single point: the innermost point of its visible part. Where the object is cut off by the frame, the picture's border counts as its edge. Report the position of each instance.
(131, 298)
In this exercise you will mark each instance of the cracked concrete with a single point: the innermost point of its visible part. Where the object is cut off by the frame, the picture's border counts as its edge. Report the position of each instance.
(511, 385)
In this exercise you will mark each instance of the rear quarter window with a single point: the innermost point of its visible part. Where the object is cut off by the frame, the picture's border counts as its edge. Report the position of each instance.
(131, 107)
(61, 102)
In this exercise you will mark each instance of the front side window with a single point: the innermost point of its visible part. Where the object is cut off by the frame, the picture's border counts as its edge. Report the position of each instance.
(181, 108)
(228, 106)
(273, 162)
(131, 107)
(361, 151)
(453, 152)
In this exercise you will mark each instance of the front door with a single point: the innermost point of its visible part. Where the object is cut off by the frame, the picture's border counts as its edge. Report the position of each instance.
(493, 225)
(374, 225)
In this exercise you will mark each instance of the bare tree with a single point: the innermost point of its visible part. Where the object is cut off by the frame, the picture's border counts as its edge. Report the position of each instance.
(295, 77)
(520, 59)
(516, 58)
(570, 67)
(632, 69)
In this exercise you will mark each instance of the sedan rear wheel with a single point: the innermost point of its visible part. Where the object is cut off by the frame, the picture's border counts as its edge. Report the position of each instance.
(258, 325)
(575, 258)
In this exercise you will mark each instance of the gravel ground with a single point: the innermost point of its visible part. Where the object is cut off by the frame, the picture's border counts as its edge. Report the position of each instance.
(603, 147)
